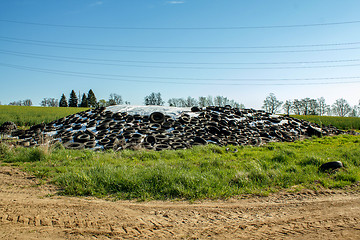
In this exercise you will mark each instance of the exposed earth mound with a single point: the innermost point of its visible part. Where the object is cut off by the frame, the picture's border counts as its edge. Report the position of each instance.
(159, 128)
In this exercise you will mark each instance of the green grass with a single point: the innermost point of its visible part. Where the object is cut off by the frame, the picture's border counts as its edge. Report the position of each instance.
(28, 116)
(344, 123)
(204, 172)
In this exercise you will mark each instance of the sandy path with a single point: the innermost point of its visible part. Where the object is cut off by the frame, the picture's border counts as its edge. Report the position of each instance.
(28, 211)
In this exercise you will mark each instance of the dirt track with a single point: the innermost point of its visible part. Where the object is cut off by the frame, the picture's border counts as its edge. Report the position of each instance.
(29, 211)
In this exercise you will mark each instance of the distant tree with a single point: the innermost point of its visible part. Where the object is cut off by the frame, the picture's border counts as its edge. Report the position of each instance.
(221, 101)
(271, 103)
(309, 106)
(297, 106)
(84, 101)
(127, 103)
(49, 102)
(354, 112)
(235, 104)
(209, 101)
(154, 99)
(173, 102)
(63, 102)
(323, 108)
(102, 103)
(27, 102)
(73, 100)
(16, 103)
(202, 102)
(191, 102)
(287, 107)
(182, 102)
(115, 99)
(91, 99)
(341, 107)
(206, 101)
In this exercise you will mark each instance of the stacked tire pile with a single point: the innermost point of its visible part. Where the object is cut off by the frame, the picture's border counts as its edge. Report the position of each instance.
(7, 127)
(101, 129)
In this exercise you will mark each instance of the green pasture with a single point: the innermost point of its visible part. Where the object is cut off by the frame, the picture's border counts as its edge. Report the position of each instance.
(27, 116)
(203, 172)
(344, 123)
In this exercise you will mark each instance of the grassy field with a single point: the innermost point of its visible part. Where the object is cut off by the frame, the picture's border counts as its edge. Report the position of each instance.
(28, 116)
(344, 123)
(204, 172)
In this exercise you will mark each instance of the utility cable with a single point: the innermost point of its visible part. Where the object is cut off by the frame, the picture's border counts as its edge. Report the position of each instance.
(183, 28)
(181, 67)
(116, 77)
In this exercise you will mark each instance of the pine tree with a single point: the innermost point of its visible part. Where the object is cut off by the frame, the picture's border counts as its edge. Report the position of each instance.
(73, 100)
(63, 101)
(91, 99)
(84, 101)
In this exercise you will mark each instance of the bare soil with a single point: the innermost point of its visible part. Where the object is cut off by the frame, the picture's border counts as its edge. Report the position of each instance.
(29, 210)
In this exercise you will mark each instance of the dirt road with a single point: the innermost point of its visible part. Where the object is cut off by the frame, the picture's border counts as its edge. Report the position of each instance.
(30, 211)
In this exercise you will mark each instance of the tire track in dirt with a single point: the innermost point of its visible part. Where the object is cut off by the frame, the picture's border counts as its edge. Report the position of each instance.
(32, 211)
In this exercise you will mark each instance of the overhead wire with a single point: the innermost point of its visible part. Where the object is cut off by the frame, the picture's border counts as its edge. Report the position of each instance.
(177, 62)
(182, 28)
(181, 52)
(182, 47)
(69, 59)
(117, 77)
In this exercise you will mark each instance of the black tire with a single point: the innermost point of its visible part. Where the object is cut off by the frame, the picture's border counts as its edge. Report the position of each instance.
(150, 139)
(82, 138)
(73, 145)
(184, 118)
(157, 117)
(195, 109)
(105, 141)
(331, 166)
(160, 147)
(200, 140)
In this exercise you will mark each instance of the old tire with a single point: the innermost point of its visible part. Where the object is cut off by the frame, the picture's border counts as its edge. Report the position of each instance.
(157, 117)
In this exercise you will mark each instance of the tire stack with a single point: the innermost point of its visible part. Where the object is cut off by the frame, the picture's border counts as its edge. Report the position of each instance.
(100, 129)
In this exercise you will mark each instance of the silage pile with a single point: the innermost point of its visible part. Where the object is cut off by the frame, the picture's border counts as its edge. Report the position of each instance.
(159, 128)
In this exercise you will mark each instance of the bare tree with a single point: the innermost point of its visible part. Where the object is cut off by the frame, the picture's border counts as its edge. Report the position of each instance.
(49, 102)
(309, 106)
(115, 99)
(154, 99)
(27, 102)
(287, 106)
(209, 101)
(323, 108)
(297, 106)
(16, 103)
(221, 101)
(271, 103)
(202, 102)
(341, 107)
(235, 104)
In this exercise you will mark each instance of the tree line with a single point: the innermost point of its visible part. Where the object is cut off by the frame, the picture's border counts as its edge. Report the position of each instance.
(309, 106)
(305, 106)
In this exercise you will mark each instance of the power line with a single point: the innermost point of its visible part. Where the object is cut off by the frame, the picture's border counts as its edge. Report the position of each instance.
(182, 52)
(182, 47)
(126, 78)
(176, 63)
(183, 28)
(54, 58)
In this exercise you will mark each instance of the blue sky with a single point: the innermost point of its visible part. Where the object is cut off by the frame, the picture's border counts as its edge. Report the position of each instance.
(243, 50)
